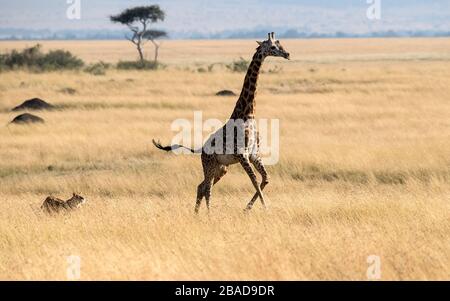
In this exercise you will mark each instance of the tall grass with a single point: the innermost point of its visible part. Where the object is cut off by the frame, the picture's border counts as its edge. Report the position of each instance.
(363, 170)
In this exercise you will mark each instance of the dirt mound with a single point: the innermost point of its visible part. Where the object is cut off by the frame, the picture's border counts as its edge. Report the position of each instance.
(226, 93)
(34, 104)
(27, 118)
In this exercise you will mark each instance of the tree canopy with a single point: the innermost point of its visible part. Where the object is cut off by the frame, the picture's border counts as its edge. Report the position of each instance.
(142, 14)
(138, 20)
(154, 34)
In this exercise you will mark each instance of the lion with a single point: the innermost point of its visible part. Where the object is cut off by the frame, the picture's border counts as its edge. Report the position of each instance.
(53, 204)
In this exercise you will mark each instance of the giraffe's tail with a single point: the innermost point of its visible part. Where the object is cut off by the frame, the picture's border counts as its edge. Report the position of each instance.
(174, 147)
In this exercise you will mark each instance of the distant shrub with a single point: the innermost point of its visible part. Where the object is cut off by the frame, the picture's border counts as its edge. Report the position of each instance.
(208, 68)
(68, 90)
(138, 65)
(97, 68)
(25, 58)
(2, 63)
(395, 178)
(240, 65)
(211, 66)
(34, 59)
(60, 59)
(275, 70)
(318, 173)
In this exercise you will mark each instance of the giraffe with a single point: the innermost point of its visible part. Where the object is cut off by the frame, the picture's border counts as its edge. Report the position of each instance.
(238, 140)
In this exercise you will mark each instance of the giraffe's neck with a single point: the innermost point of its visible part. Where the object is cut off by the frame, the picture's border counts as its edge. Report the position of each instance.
(245, 106)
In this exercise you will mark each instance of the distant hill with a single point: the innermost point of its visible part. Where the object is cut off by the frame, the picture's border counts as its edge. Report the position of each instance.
(86, 34)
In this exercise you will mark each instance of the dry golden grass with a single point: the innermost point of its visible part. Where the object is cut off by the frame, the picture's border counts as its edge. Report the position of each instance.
(364, 167)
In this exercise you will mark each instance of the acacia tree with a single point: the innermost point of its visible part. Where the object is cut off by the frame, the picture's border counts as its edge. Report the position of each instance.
(138, 20)
(152, 35)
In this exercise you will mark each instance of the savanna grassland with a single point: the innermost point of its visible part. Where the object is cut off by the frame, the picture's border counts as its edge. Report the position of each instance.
(364, 165)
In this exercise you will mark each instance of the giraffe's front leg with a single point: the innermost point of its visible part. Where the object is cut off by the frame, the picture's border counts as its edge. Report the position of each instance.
(245, 162)
(257, 162)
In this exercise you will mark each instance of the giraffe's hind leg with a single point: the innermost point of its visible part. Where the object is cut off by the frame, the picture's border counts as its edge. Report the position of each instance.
(200, 195)
(208, 188)
(221, 171)
(212, 174)
(204, 191)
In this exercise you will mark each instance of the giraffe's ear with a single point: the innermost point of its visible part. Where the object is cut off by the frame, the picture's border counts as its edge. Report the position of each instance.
(259, 43)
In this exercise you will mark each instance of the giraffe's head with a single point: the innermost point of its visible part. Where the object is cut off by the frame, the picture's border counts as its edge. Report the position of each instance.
(272, 47)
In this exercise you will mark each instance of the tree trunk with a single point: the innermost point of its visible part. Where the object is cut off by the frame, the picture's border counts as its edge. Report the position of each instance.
(156, 51)
(141, 55)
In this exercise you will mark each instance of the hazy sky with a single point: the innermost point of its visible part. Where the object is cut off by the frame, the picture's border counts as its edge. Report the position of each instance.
(209, 16)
